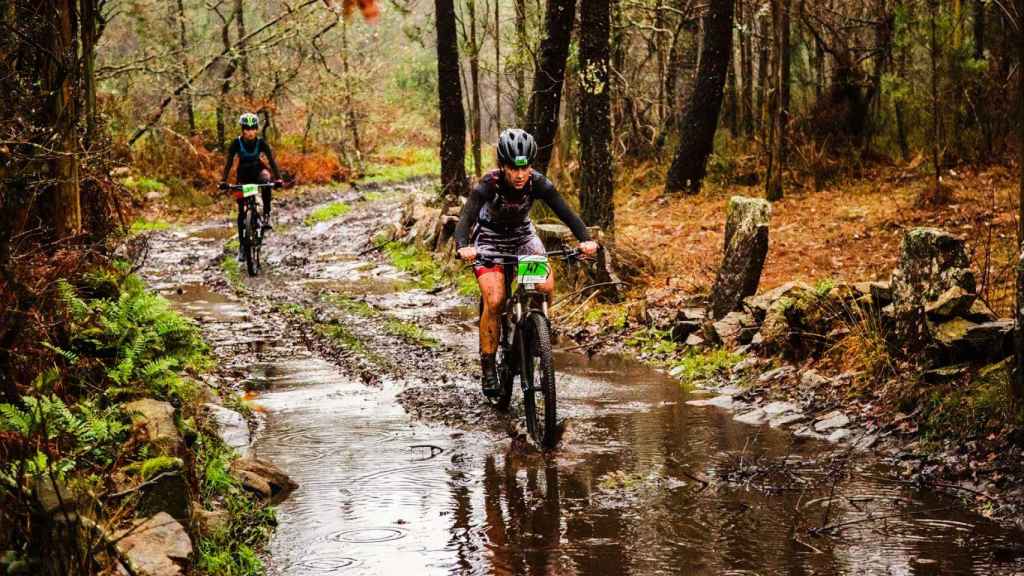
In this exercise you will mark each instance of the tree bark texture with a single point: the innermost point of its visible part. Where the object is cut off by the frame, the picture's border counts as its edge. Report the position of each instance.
(747, 70)
(700, 118)
(594, 116)
(59, 78)
(474, 75)
(453, 119)
(243, 52)
(780, 102)
(1018, 378)
(187, 104)
(523, 47)
(546, 98)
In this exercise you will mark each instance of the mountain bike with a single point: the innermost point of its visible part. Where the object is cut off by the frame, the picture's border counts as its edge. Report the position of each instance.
(251, 236)
(524, 341)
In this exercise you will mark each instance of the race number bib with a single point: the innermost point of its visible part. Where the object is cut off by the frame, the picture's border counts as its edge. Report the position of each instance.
(532, 269)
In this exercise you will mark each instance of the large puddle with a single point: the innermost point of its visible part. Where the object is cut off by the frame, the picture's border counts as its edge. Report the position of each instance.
(642, 484)
(381, 494)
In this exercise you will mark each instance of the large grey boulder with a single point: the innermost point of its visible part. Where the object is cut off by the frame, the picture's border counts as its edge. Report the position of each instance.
(746, 246)
(157, 546)
(933, 267)
(156, 420)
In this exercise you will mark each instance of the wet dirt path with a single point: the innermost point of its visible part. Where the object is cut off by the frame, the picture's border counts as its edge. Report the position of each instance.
(403, 470)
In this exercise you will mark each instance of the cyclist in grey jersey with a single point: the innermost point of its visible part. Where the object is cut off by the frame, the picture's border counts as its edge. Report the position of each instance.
(496, 218)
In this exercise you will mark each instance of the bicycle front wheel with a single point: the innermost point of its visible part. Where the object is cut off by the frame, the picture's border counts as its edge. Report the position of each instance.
(539, 399)
(251, 248)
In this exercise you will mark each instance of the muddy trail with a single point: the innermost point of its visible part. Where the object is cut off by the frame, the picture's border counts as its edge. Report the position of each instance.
(367, 395)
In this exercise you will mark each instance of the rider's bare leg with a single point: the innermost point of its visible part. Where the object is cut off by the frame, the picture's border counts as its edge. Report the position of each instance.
(492, 289)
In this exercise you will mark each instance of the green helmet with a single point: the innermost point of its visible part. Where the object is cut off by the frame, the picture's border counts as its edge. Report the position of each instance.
(249, 120)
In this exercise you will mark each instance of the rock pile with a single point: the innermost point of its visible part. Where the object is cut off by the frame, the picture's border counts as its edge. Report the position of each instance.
(929, 311)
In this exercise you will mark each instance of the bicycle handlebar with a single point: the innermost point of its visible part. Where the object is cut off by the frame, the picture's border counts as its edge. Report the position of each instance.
(225, 186)
(566, 254)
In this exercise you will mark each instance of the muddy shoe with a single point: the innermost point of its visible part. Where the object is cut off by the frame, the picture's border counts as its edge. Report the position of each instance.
(266, 224)
(489, 376)
(241, 255)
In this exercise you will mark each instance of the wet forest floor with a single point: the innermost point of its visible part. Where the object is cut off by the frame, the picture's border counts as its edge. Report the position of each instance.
(364, 387)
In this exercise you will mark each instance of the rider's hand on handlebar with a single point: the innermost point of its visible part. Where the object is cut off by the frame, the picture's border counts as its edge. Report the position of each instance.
(467, 253)
(589, 247)
(278, 183)
(222, 186)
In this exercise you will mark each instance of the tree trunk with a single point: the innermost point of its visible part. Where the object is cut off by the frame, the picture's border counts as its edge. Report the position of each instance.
(933, 6)
(60, 76)
(747, 71)
(731, 101)
(187, 105)
(243, 52)
(523, 48)
(979, 29)
(780, 100)
(89, 38)
(353, 118)
(594, 117)
(497, 64)
(546, 97)
(230, 64)
(762, 73)
(701, 113)
(474, 75)
(453, 120)
(1018, 381)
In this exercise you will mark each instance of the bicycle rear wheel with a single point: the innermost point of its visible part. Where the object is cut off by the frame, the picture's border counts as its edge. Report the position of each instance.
(539, 399)
(251, 248)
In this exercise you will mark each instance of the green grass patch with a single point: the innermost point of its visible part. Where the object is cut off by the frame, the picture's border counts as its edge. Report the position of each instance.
(232, 270)
(373, 196)
(428, 271)
(229, 550)
(327, 212)
(403, 164)
(342, 336)
(410, 333)
(651, 342)
(613, 316)
(351, 305)
(695, 365)
(140, 226)
(152, 467)
(143, 185)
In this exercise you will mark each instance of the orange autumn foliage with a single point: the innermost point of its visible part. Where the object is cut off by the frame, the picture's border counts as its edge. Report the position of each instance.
(367, 7)
(311, 168)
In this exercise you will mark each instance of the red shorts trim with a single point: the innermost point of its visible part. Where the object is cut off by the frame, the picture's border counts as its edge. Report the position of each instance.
(481, 270)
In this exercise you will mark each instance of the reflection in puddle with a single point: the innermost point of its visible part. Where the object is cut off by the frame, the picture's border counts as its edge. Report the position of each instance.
(626, 494)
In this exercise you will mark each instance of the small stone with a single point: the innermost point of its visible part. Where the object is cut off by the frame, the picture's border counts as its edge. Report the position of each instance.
(831, 421)
(774, 409)
(233, 428)
(156, 419)
(955, 301)
(746, 364)
(156, 546)
(839, 435)
(724, 401)
(694, 340)
(806, 432)
(774, 374)
(755, 417)
(786, 419)
(866, 442)
(264, 478)
(811, 379)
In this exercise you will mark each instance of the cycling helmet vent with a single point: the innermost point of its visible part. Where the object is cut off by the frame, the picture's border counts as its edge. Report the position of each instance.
(516, 148)
(249, 120)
